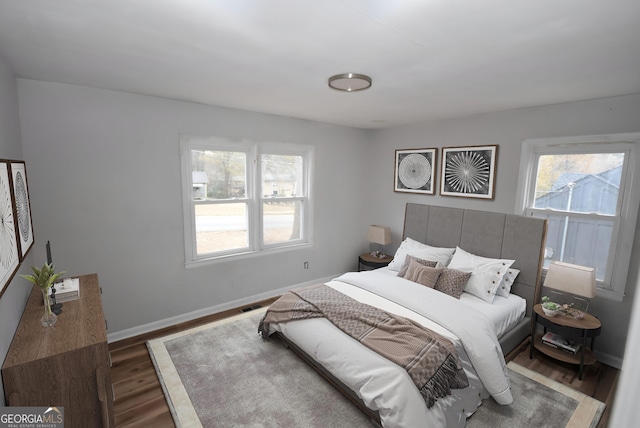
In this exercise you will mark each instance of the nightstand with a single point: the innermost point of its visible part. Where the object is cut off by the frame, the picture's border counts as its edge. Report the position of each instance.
(368, 262)
(567, 327)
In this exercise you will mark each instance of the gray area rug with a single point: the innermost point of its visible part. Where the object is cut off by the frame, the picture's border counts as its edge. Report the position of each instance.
(538, 402)
(223, 375)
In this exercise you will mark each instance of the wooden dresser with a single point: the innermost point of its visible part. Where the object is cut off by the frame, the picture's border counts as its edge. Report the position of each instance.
(66, 365)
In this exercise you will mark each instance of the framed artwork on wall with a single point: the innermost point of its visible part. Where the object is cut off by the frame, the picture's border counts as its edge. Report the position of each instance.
(415, 171)
(469, 172)
(9, 258)
(22, 204)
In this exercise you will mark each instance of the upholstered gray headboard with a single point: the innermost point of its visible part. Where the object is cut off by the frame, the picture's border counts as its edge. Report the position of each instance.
(487, 234)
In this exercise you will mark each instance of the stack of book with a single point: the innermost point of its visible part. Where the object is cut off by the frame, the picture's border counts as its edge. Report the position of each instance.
(67, 290)
(559, 342)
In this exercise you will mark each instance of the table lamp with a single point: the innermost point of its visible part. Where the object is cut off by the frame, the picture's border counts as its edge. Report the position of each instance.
(579, 281)
(380, 235)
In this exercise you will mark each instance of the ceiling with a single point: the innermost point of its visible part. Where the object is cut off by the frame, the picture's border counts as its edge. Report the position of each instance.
(429, 59)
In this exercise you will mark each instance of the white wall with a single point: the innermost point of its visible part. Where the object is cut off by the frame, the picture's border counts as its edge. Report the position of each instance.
(15, 295)
(625, 412)
(507, 130)
(105, 184)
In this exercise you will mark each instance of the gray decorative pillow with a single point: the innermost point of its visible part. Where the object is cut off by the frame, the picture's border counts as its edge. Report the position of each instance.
(405, 266)
(423, 275)
(452, 281)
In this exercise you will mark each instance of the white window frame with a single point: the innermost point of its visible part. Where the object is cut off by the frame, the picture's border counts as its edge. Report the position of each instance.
(614, 285)
(254, 199)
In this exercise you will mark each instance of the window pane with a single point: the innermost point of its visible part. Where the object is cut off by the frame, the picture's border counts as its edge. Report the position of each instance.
(282, 221)
(581, 241)
(586, 183)
(221, 227)
(282, 175)
(218, 174)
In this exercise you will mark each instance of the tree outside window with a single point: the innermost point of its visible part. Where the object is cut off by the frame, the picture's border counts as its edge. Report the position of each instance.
(588, 189)
(244, 197)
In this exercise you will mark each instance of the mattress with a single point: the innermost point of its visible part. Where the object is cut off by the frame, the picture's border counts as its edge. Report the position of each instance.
(386, 387)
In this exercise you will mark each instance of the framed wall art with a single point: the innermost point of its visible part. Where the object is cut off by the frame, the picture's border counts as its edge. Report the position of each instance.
(24, 226)
(9, 259)
(415, 171)
(469, 172)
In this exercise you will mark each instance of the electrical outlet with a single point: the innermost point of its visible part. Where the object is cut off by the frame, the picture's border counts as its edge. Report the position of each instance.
(306, 265)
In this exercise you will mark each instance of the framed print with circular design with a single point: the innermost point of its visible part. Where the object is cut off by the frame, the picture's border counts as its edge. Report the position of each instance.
(9, 259)
(469, 172)
(24, 227)
(415, 171)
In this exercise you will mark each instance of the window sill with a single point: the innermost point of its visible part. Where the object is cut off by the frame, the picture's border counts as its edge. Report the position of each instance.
(607, 293)
(247, 255)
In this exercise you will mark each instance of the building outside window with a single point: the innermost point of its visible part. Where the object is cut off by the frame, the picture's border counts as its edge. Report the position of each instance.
(587, 189)
(244, 198)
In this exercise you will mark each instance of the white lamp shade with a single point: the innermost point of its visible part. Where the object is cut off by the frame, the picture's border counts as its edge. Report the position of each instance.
(573, 279)
(379, 235)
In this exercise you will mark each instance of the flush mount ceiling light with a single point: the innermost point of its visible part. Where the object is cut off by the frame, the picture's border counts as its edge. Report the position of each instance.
(349, 82)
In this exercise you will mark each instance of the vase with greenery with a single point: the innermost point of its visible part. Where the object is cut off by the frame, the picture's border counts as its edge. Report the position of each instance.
(44, 278)
(550, 308)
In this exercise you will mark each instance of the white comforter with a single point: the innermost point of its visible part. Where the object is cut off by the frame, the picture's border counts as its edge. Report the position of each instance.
(386, 387)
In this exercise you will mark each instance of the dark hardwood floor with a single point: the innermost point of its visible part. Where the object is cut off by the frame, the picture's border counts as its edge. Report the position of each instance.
(140, 401)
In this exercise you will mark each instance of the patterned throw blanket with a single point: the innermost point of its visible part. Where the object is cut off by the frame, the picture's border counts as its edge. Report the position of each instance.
(430, 359)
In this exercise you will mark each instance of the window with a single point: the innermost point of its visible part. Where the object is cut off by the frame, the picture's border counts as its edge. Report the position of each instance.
(587, 188)
(243, 198)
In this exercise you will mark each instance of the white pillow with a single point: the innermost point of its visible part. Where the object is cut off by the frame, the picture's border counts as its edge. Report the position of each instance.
(486, 273)
(421, 251)
(507, 281)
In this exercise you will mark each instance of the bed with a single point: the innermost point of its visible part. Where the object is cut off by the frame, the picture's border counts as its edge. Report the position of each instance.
(483, 328)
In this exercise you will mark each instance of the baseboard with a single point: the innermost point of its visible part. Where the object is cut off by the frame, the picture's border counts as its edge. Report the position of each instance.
(608, 359)
(168, 322)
